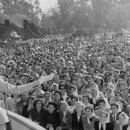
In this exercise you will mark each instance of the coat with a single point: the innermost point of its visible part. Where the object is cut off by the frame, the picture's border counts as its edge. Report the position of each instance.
(37, 116)
(68, 118)
(112, 118)
(76, 125)
(109, 126)
(51, 118)
(86, 124)
(117, 127)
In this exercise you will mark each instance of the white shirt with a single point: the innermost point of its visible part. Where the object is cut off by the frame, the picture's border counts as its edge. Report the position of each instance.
(104, 126)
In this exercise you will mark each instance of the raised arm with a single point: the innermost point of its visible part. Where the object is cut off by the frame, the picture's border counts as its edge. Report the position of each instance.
(12, 89)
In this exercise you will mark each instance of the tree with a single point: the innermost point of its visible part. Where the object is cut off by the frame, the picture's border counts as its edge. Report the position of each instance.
(30, 8)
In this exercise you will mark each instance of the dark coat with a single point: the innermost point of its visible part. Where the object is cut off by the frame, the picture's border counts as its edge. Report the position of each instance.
(51, 118)
(76, 125)
(95, 105)
(123, 127)
(37, 116)
(109, 126)
(68, 117)
(112, 118)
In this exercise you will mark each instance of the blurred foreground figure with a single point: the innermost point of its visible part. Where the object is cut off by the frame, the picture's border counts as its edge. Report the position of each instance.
(7, 88)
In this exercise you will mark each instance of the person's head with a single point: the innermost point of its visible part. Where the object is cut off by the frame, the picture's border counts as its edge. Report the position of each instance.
(88, 92)
(74, 100)
(63, 106)
(31, 99)
(124, 90)
(121, 103)
(111, 99)
(62, 89)
(115, 107)
(99, 81)
(119, 95)
(123, 119)
(51, 107)
(83, 90)
(38, 104)
(89, 111)
(57, 96)
(104, 117)
(24, 96)
(102, 104)
(109, 93)
(72, 89)
(85, 99)
(94, 93)
(79, 107)
(47, 96)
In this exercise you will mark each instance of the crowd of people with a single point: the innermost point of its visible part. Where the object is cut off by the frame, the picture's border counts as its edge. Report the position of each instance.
(91, 87)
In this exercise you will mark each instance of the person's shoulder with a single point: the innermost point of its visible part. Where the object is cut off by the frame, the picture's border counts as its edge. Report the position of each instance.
(83, 117)
(95, 118)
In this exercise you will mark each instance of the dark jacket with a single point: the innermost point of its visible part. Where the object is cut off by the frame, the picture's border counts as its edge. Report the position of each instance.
(37, 116)
(51, 118)
(118, 128)
(112, 118)
(95, 104)
(109, 126)
(68, 118)
(76, 125)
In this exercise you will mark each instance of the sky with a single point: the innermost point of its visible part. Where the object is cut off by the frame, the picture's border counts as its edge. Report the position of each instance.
(47, 4)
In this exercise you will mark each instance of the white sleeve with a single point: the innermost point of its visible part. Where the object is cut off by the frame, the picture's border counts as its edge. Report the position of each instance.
(3, 116)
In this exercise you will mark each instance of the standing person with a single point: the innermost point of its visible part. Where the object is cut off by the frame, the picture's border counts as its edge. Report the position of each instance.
(116, 110)
(123, 122)
(89, 118)
(51, 118)
(104, 123)
(65, 117)
(37, 113)
(77, 116)
(94, 98)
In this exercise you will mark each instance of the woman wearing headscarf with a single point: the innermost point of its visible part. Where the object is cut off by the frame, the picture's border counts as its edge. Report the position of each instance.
(77, 116)
(123, 122)
(115, 112)
(104, 122)
(109, 92)
(94, 97)
(89, 118)
(103, 106)
(65, 117)
(100, 82)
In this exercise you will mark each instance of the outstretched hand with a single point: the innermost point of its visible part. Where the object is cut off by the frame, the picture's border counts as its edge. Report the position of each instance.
(44, 79)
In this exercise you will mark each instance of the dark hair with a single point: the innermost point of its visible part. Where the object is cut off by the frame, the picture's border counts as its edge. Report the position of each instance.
(58, 93)
(101, 101)
(105, 113)
(75, 97)
(121, 94)
(86, 96)
(82, 87)
(115, 104)
(53, 104)
(62, 86)
(89, 107)
(36, 103)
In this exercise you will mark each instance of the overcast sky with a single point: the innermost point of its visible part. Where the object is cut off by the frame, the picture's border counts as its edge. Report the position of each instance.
(47, 4)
